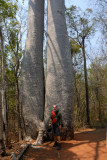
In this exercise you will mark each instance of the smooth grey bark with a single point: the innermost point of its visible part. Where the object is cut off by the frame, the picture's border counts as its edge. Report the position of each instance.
(59, 80)
(32, 77)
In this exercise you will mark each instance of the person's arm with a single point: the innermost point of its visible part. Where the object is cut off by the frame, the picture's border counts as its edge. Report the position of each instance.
(60, 121)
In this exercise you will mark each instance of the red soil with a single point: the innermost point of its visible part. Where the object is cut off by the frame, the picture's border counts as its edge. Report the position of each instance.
(88, 144)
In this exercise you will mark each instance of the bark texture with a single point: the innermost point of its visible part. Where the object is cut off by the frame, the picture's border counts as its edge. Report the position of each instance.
(59, 80)
(32, 86)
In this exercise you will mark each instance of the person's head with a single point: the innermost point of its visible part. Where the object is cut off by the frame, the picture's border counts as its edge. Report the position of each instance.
(55, 107)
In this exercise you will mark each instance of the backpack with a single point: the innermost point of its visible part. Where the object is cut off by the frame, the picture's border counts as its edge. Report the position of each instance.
(53, 117)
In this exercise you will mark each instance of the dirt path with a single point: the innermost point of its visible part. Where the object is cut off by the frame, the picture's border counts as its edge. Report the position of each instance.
(87, 145)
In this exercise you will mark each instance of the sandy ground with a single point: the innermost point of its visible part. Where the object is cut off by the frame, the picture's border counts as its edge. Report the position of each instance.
(88, 144)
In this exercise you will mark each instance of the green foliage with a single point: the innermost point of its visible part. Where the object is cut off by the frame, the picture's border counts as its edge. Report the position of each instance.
(12, 33)
(97, 94)
(81, 26)
(75, 47)
(7, 10)
(98, 84)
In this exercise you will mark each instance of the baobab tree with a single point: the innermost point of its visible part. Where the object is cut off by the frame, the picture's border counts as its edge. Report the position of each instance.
(59, 80)
(32, 86)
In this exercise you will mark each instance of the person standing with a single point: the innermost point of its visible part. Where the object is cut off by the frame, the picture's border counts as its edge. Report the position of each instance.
(56, 124)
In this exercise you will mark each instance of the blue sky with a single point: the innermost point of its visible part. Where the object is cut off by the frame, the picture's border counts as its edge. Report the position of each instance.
(83, 4)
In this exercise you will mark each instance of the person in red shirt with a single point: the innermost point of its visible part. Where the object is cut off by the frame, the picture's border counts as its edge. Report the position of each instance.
(56, 124)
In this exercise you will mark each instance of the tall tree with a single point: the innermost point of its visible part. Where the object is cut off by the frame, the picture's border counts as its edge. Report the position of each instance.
(3, 92)
(100, 11)
(15, 29)
(32, 87)
(59, 80)
(14, 38)
(2, 146)
(3, 117)
(7, 13)
(76, 55)
(97, 78)
(81, 27)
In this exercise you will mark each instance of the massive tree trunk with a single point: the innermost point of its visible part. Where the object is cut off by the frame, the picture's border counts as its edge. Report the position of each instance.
(32, 87)
(59, 80)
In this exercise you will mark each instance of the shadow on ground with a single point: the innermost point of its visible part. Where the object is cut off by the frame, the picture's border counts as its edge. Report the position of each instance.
(87, 145)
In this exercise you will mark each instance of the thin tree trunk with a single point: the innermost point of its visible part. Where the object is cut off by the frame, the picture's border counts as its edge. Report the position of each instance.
(17, 94)
(2, 146)
(2, 99)
(3, 92)
(99, 104)
(18, 108)
(86, 84)
(77, 101)
(59, 80)
(99, 108)
(75, 83)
